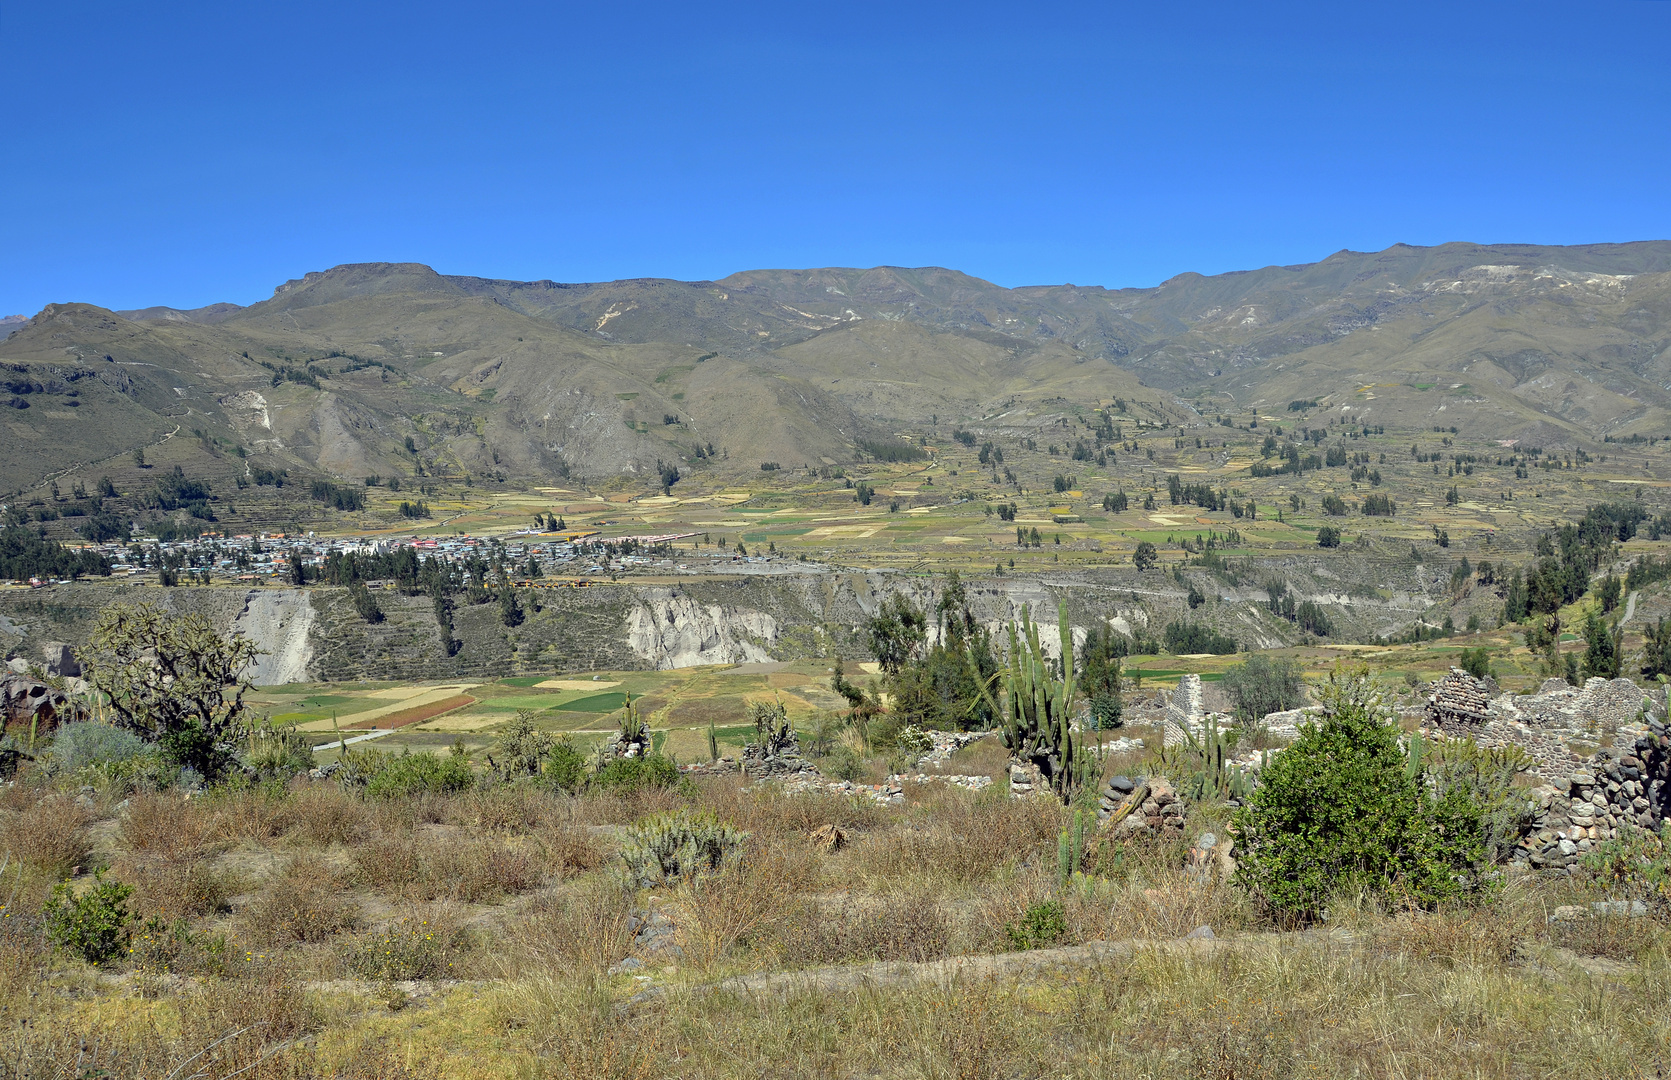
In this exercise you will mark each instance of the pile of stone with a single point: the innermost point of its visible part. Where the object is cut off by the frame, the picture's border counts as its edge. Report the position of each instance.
(947, 743)
(624, 745)
(1025, 779)
(721, 767)
(1122, 745)
(1145, 805)
(1627, 785)
(776, 759)
(973, 783)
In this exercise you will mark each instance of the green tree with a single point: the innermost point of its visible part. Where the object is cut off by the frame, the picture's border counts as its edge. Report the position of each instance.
(1261, 685)
(1100, 658)
(1145, 557)
(173, 680)
(1344, 809)
(1605, 648)
(940, 688)
(1608, 593)
(1476, 662)
(1656, 659)
(897, 633)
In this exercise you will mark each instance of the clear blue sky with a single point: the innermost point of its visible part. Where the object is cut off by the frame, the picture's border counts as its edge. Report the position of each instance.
(189, 153)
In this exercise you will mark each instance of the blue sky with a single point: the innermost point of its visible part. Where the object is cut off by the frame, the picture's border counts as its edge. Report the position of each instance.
(190, 153)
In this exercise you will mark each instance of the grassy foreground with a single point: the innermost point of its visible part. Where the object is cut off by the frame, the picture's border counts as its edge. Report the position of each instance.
(312, 932)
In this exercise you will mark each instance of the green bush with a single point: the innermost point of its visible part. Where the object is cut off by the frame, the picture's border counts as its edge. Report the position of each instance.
(159, 947)
(93, 926)
(636, 773)
(678, 847)
(1637, 866)
(277, 753)
(1042, 925)
(412, 774)
(844, 763)
(88, 742)
(565, 767)
(1485, 777)
(1344, 809)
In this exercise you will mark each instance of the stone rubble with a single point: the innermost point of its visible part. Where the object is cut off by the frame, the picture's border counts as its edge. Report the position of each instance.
(889, 794)
(1619, 787)
(1149, 804)
(973, 783)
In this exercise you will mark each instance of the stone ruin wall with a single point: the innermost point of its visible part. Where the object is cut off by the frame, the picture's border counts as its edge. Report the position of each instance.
(1583, 800)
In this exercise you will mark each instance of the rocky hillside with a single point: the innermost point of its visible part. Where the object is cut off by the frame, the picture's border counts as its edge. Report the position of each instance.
(316, 634)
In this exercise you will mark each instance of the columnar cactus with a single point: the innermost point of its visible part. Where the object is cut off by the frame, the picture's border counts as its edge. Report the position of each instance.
(1038, 715)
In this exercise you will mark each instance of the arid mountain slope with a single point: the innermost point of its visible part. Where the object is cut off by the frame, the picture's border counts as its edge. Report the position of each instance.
(338, 369)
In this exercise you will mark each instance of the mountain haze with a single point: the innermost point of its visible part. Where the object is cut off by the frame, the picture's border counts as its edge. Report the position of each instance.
(529, 380)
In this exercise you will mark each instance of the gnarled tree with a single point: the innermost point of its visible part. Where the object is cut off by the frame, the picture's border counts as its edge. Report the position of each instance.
(173, 680)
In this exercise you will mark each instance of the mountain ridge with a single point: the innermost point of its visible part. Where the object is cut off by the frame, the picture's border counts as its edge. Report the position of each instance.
(338, 368)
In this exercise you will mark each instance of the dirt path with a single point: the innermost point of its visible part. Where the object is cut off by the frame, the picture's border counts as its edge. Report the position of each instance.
(1011, 965)
(1630, 607)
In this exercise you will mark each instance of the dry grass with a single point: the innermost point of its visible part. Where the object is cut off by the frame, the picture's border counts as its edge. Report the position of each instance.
(771, 813)
(257, 815)
(305, 902)
(184, 889)
(266, 1007)
(849, 929)
(509, 809)
(166, 859)
(580, 931)
(322, 814)
(959, 837)
(1474, 992)
(49, 835)
(624, 809)
(744, 902)
(470, 869)
(986, 757)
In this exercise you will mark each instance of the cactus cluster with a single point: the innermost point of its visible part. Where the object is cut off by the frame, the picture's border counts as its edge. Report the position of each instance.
(1037, 716)
(670, 848)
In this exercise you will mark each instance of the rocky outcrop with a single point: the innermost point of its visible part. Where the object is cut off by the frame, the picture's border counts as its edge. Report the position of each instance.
(30, 703)
(670, 630)
(61, 660)
(278, 621)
